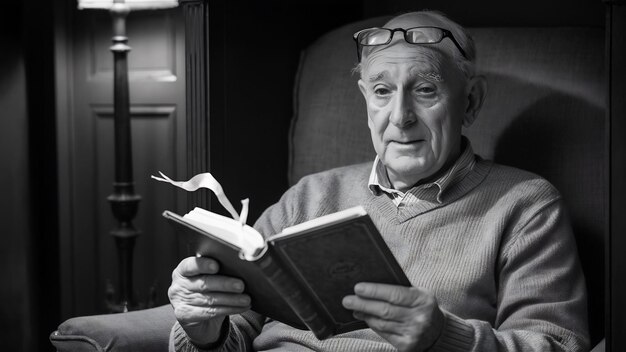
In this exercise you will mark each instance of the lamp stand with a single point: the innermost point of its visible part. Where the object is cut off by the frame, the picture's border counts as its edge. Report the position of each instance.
(124, 202)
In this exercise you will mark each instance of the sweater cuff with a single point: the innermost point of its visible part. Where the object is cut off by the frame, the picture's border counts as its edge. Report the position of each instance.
(457, 335)
(182, 343)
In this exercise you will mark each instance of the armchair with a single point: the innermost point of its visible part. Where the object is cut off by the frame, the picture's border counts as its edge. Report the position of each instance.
(544, 112)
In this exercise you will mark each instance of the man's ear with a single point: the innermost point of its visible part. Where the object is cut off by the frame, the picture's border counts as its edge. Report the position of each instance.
(476, 92)
(363, 88)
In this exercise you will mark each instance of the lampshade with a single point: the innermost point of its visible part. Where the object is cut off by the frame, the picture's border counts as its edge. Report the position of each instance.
(132, 4)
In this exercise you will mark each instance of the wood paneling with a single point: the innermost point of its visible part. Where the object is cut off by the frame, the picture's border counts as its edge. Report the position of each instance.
(197, 95)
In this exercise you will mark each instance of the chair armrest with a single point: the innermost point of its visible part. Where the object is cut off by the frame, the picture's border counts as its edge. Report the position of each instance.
(143, 330)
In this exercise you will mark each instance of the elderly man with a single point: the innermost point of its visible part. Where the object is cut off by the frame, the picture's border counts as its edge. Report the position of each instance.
(487, 248)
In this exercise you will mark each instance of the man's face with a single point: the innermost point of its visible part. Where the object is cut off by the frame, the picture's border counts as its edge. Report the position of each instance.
(416, 103)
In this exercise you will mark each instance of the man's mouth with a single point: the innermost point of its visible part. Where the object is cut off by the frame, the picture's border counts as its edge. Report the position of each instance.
(409, 142)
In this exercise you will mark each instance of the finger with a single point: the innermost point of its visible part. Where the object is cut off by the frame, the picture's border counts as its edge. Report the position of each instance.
(380, 325)
(379, 309)
(193, 266)
(212, 283)
(399, 295)
(192, 314)
(213, 300)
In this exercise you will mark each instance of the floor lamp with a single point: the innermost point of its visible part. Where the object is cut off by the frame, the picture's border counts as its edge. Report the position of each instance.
(124, 201)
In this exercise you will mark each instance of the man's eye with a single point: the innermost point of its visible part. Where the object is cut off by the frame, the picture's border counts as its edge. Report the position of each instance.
(426, 90)
(382, 91)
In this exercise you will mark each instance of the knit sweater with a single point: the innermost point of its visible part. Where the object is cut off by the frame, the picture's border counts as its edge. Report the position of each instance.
(498, 254)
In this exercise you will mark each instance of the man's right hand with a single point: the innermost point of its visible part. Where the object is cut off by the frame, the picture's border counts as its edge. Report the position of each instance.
(202, 299)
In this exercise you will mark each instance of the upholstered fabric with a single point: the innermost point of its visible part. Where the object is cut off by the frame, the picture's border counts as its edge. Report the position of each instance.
(544, 112)
(144, 330)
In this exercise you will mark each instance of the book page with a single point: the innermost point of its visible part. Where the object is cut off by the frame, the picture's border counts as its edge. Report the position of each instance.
(227, 229)
(323, 221)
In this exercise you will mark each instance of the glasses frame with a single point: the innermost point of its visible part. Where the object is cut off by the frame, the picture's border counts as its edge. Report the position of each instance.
(445, 34)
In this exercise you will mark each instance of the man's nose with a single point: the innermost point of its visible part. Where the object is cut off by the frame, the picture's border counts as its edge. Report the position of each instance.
(403, 114)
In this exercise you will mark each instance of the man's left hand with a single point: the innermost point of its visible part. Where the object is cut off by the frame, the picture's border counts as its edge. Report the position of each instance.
(408, 317)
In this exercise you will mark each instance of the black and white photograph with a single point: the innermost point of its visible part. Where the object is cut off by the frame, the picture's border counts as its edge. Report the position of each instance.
(314, 175)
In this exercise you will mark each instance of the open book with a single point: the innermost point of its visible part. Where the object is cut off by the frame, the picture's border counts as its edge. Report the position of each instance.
(300, 275)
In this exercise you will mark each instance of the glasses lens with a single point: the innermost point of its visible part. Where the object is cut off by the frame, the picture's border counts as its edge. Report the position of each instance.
(374, 36)
(424, 35)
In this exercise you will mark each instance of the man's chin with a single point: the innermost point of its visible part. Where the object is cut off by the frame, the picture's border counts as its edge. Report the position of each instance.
(409, 168)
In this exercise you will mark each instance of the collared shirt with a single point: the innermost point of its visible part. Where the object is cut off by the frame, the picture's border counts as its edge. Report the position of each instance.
(432, 191)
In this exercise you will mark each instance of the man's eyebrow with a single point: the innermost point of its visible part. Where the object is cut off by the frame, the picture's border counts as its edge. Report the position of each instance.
(431, 76)
(431, 73)
(377, 77)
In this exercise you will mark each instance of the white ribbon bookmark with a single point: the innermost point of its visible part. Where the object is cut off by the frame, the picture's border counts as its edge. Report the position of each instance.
(244, 211)
(206, 180)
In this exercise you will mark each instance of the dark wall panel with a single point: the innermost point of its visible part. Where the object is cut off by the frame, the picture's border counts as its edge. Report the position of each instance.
(15, 304)
(29, 236)
(527, 13)
(260, 44)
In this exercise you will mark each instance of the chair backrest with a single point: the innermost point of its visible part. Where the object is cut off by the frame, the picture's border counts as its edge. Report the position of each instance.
(544, 112)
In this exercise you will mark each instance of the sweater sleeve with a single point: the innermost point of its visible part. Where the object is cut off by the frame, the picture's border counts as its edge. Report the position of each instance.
(541, 294)
(238, 332)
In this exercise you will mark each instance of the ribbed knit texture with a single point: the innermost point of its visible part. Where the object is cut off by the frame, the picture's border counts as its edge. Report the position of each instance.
(497, 253)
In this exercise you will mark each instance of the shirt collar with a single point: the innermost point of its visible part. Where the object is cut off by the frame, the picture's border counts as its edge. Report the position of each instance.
(432, 191)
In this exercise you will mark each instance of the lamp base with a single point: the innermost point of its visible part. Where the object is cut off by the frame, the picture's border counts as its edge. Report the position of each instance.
(118, 305)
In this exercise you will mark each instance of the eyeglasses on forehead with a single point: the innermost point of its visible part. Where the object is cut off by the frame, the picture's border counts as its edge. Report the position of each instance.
(423, 35)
